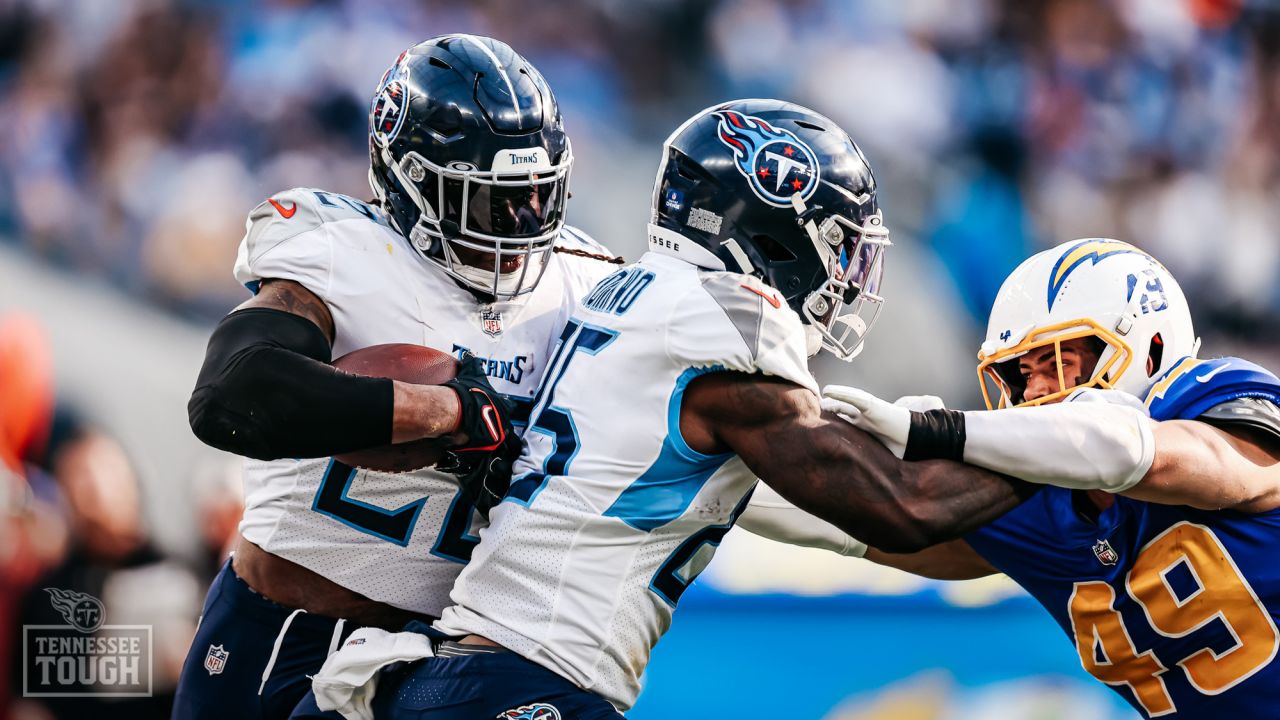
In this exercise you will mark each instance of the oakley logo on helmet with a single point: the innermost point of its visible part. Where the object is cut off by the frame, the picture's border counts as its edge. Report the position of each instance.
(774, 160)
(1094, 249)
(387, 113)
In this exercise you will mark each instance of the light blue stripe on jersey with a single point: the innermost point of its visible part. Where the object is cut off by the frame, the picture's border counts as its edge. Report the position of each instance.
(666, 489)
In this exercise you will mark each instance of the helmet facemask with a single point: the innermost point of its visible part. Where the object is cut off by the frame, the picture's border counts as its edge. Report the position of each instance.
(1000, 370)
(842, 310)
(468, 217)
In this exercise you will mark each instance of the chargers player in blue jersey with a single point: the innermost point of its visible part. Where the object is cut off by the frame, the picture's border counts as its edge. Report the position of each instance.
(1154, 542)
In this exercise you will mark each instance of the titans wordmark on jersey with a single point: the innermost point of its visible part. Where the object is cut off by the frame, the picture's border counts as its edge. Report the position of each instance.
(611, 514)
(1175, 608)
(398, 539)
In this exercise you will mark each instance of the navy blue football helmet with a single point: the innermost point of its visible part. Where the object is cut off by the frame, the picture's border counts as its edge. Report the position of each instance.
(469, 158)
(775, 190)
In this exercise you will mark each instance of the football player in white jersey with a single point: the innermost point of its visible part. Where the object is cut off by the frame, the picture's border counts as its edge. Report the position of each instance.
(464, 250)
(678, 381)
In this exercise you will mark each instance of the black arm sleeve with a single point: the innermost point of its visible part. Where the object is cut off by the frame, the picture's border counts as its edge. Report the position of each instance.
(266, 391)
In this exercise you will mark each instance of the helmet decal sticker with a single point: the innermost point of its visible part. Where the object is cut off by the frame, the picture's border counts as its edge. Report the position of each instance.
(705, 220)
(388, 111)
(774, 161)
(1094, 249)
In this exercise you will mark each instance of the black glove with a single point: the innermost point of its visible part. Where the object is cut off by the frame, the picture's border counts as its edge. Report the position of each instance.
(485, 416)
(483, 476)
(482, 464)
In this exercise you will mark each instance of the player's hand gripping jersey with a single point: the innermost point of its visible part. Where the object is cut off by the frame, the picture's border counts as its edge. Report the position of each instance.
(1175, 608)
(611, 514)
(398, 539)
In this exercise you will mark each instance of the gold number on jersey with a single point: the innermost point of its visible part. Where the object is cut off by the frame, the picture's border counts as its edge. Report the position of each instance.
(1097, 625)
(1222, 593)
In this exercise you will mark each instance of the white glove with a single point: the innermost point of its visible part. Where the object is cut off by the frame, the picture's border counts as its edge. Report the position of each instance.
(890, 423)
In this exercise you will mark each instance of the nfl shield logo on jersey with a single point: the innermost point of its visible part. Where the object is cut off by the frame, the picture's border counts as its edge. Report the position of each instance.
(216, 659)
(491, 322)
(1105, 553)
(537, 711)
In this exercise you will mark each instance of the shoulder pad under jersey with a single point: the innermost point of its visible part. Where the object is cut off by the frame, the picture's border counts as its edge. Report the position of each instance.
(1253, 411)
(267, 251)
(770, 336)
(1191, 387)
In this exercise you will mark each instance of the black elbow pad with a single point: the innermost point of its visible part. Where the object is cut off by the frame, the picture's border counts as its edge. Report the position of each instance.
(266, 391)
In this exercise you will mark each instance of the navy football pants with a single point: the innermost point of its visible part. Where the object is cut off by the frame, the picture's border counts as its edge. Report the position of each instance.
(478, 687)
(250, 629)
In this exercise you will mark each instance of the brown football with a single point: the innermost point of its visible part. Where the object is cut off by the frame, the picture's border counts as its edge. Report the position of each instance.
(408, 363)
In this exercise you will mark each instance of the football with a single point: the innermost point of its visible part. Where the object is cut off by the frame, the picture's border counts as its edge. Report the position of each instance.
(408, 363)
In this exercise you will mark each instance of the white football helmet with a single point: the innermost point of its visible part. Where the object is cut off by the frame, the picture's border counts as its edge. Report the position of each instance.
(1091, 287)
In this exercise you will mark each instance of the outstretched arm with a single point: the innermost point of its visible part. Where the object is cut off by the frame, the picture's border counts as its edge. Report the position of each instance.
(837, 472)
(1098, 440)
(1210, 467)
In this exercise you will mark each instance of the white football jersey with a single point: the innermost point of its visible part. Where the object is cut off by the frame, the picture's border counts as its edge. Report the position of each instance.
(611, 514)
(396, 538)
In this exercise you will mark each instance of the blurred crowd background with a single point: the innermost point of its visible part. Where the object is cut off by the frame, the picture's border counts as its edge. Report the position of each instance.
(135, 135)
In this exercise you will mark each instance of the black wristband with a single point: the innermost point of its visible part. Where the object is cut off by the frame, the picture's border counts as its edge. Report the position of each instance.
(936, 435)
(266, 391)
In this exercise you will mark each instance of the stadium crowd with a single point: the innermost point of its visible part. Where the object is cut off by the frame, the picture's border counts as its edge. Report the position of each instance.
(138, 133)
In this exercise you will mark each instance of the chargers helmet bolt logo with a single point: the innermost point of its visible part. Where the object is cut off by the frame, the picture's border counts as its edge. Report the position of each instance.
(774, 161)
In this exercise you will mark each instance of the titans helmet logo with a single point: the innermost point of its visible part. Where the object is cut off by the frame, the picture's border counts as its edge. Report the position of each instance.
(774, 161)
(390, 102)
(386, 115)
